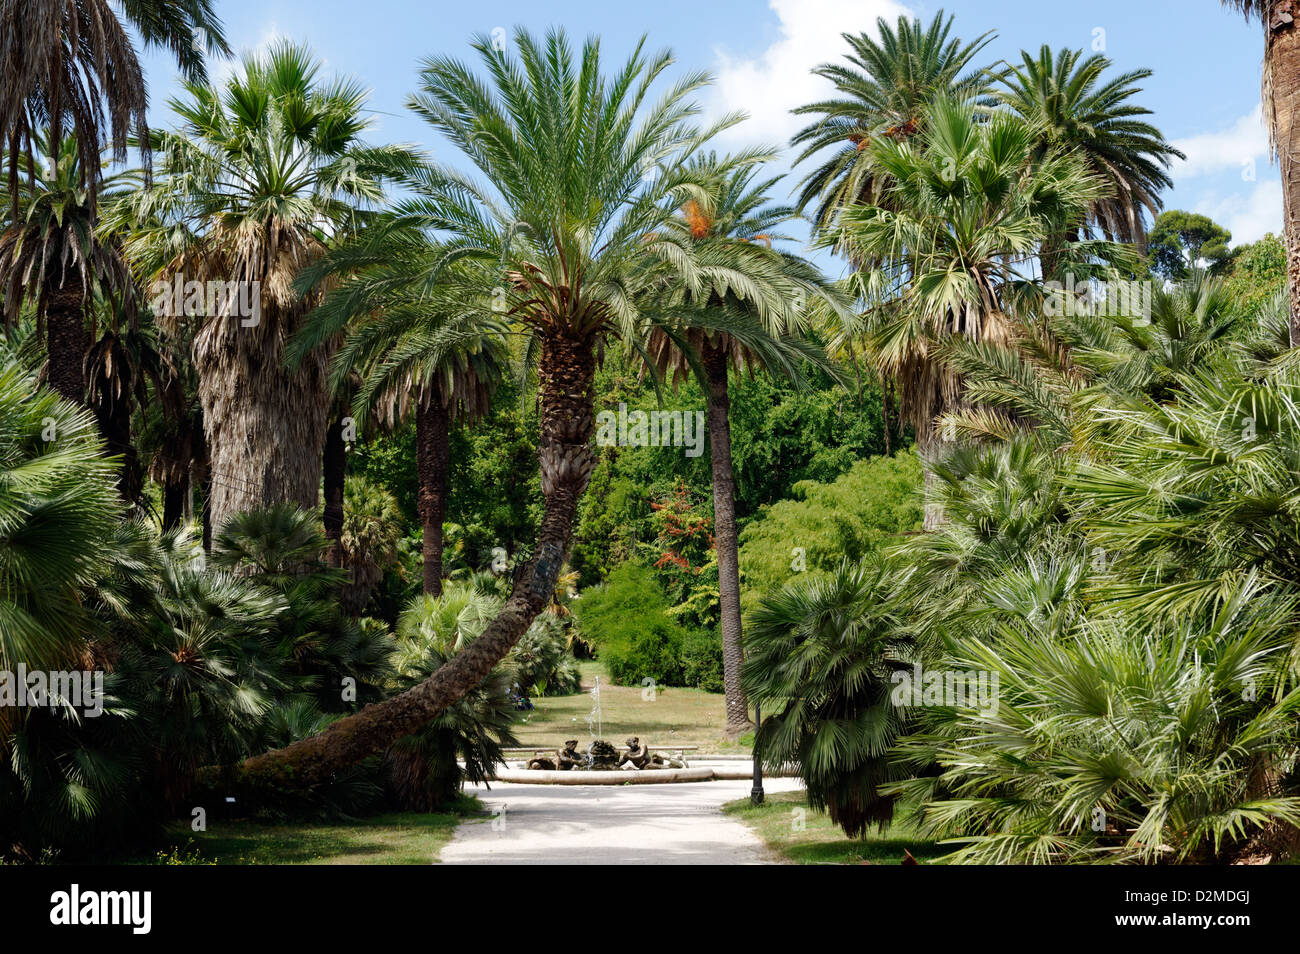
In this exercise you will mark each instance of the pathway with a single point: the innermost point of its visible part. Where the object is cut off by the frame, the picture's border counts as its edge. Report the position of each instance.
(603, 824)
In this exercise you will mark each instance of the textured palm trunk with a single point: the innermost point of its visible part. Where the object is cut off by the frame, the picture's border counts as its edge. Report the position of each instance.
(931, 446)
(566, 369)
(433, 454)
(68, 341)
(1282, 75)
(174, 494)
(725, 540)
(334, 465)
(113, 414)
(265, 424)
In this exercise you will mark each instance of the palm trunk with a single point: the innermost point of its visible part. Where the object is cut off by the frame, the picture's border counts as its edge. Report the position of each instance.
(1282, 76)
(335, 463)
(67, 338)
(725, 540)
(433, 452)
(566, 371)
(113, 415)
(265, 424)
(174, 494)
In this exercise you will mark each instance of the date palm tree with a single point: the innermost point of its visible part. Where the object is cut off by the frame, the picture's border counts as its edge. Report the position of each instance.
(582, 174)
(52, 254)
(1281, 94)
(748, 311)
(412, 354)
(261, 176)
(70, 65)
(881, 91)
(1075, 107)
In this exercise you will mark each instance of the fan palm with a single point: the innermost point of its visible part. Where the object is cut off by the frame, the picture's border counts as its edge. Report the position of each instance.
(57, 513)
(1282, 111)
(750, 313)
(967, 208)
(882, 92)
(261, 176)
(1074, 107)
(821, 656)
(67, 64)
(582, 176)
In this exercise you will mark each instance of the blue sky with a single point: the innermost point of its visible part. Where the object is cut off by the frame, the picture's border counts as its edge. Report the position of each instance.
(1205, 91)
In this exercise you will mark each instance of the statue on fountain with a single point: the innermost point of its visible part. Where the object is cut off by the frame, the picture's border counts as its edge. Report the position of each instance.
(602, 756)
(642, 758)
(569, 757)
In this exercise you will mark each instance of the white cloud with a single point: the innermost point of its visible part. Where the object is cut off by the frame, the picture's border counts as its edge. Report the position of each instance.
(768, 85)
(1246, 215)
(1234, 147)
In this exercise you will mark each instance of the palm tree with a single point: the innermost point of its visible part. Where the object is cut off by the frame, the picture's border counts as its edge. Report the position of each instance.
(69, 65)
(1282, 107)
(822, 653)
(412, 353)
(262, 175)
(749, 313)
(582, 178)
(52, 254)
(882, 91)
(968, 206)
(1071, 108)
(59, 511)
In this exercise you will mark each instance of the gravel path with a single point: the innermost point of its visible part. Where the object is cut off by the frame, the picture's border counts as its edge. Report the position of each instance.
(603, 824)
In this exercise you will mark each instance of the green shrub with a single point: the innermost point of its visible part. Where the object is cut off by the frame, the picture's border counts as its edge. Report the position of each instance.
(702, 660)
(626, 620)
(828, 522)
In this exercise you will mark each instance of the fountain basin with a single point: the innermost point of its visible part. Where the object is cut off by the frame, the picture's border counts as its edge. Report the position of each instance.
(615, 777)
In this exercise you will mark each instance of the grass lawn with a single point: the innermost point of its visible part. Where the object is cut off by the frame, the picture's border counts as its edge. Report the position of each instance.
(406, 838)
(821, 842)
(681, 716)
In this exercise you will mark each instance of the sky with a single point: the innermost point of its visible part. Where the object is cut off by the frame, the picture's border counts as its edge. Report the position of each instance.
(1204, 92)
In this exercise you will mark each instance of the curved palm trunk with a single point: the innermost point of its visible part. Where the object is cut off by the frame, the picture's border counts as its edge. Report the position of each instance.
(265, 424)
(1282, 75)
(725, 540)
(565, 458)
(335, 464)
(68, 341)
(433, 453)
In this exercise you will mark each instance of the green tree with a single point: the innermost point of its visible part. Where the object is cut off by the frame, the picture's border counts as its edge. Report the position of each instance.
(1180, 241)
(1074, 106)
(969, 205)
(882, 91)
(1281, 111)
(748, 311)
(262, 171)
(70, 66)
(582, 176)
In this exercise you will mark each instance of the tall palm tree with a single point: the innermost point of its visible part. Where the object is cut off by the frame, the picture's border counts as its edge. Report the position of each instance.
(1281, 95)
(69, 65)
(1074, 107)
(582, 176)
(882, 91)
(412, 353)
(968, 207)
(52, 254)
(260, 177)
(748, 312)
